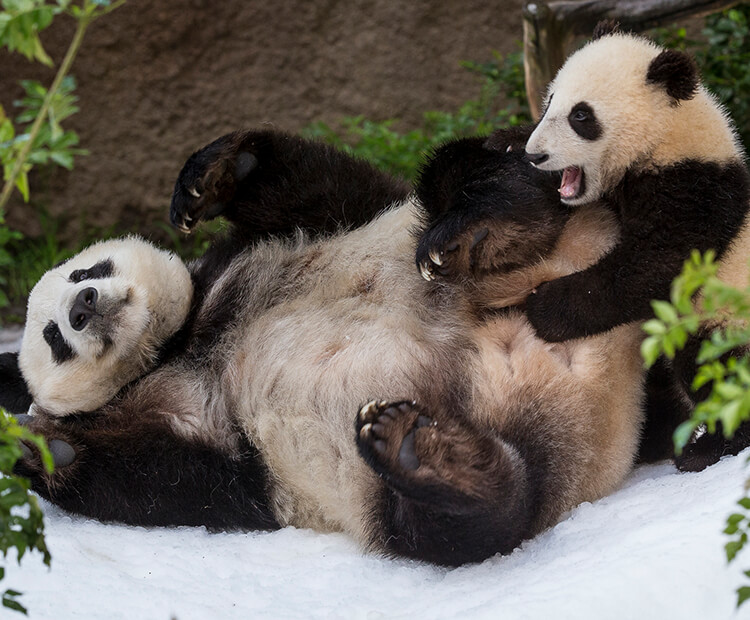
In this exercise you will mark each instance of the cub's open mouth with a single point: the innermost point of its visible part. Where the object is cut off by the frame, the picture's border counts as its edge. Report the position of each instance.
(572, 185)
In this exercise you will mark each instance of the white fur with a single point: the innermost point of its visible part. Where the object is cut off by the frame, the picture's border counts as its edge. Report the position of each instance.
(149, 296)
(642, 126)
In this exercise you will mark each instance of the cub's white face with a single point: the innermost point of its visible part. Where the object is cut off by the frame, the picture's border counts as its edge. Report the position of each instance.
(95, 322)
(622, 103)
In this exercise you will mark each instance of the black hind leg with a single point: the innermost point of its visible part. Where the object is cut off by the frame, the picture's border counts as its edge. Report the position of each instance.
(453, 495)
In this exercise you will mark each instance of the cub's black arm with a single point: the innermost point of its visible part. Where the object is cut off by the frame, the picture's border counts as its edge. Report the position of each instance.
(272, 183)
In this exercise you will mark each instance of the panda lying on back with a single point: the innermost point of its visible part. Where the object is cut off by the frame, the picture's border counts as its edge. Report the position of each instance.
(630, 128)
(252, 415)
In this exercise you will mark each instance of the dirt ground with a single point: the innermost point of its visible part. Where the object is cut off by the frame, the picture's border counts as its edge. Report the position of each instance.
(159, 78)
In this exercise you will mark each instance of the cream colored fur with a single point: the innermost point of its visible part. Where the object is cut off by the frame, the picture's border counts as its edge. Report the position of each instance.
(642, 127)
(151, 291)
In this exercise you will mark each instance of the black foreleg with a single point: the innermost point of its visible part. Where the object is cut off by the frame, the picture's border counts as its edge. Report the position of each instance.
(140, 472)
(272, 183)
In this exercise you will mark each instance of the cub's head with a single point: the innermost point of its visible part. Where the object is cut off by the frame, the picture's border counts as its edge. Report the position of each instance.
(95, 323)
(621, 102)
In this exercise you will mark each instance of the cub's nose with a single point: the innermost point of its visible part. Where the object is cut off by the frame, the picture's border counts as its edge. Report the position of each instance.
(84, 307)
(537, 158)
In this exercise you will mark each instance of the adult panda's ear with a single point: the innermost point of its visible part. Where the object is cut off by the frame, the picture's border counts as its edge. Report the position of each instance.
(14, 393)
(677, 72)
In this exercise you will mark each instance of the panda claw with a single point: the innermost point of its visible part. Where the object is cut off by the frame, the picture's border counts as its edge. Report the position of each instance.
(368, 410)
(194, 192)
(427, 272)
(435, 258)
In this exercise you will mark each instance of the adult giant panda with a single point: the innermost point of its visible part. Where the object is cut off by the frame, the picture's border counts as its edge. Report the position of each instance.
(630, 127)
(480, 435)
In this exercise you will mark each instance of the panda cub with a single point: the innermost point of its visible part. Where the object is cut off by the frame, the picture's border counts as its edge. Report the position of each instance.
(318, 380)
(630, 127)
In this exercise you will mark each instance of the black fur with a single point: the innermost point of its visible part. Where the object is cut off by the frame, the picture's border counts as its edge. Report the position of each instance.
(426, 515)
(284, 190)
(102, 269)
(14, 393)
(132, 467)
(584, 122)
(61, 350)
(677, 72)
(604, 28)
(664, 216)
(472, 186)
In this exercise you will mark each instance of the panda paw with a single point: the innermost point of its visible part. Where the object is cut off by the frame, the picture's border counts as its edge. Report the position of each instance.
(445, 250)
(386, 435)
(61, 448)
(430, 460)
(208, 182)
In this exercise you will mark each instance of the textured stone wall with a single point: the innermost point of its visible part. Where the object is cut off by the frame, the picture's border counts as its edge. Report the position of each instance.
(159, 78)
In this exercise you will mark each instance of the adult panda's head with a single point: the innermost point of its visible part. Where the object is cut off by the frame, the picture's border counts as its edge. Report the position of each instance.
(622, 102)
(96, 321)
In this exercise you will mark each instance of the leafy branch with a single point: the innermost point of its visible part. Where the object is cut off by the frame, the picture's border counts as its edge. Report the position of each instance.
(699, 298)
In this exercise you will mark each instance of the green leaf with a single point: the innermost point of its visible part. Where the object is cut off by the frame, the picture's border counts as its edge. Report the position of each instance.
(732, 548)
(650, 350)
(743, 594)
(664, 311)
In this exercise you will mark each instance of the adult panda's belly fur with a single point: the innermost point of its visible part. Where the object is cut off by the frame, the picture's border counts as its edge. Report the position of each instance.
(323, 327)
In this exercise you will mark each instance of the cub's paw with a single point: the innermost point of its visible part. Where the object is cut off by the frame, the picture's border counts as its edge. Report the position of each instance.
(449, 248)
(208, 182)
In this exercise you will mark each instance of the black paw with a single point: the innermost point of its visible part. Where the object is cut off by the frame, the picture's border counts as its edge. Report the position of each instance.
(60, 446)
(386, 436)
(208, 182)
(449, 249)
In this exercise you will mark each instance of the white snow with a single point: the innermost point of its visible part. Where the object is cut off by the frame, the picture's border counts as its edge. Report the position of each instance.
(654, 549)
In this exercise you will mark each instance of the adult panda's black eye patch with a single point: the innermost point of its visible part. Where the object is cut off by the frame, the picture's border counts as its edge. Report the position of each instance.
(102, 269)
(583, 121)
(61, 350)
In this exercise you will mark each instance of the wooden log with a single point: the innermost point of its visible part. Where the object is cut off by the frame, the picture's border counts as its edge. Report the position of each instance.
(549, 29)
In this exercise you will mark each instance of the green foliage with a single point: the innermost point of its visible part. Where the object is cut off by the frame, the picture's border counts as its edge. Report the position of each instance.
(698, 297)
(400, 153)
(724, 57)
(21, 21)
(21, 524)
(38, 139)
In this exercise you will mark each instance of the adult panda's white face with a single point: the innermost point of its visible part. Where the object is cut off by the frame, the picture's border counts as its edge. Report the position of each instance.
(621, 102)
(95, 322)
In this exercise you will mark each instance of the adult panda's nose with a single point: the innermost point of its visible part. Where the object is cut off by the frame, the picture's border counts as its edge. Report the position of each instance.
(84, 307)
(537, 158)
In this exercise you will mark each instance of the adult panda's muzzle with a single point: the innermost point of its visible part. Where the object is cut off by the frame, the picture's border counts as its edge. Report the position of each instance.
(84, 307)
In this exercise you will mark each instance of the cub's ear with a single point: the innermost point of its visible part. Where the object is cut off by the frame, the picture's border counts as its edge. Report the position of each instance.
(604, 28)
(14, 393)
(677, 72)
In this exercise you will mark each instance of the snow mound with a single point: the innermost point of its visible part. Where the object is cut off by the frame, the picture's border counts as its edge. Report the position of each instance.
(652, 550)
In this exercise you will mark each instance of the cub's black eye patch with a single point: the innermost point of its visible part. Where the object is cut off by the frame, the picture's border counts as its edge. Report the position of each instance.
(583, 121)
(61, 350)
(102, 269)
